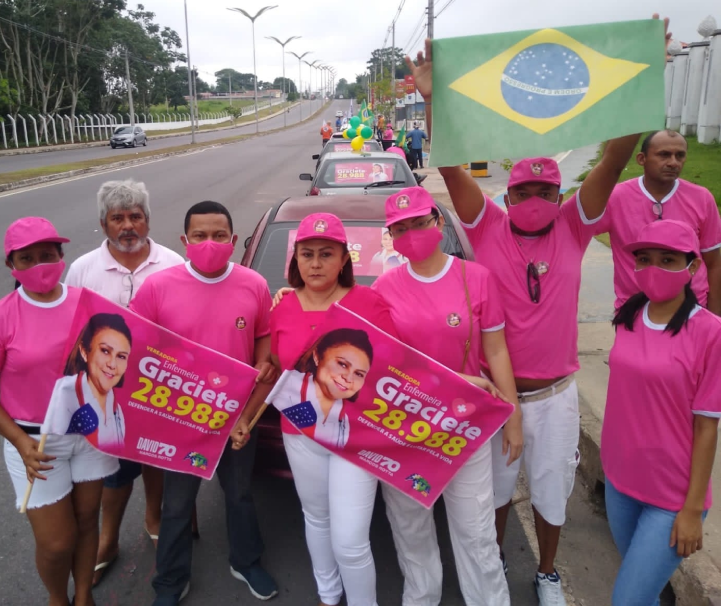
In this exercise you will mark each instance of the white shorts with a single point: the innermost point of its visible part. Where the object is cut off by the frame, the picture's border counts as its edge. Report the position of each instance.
(77, 461)
(550, 434)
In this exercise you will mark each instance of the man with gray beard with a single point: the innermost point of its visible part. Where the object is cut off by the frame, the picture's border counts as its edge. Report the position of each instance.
(116, 270)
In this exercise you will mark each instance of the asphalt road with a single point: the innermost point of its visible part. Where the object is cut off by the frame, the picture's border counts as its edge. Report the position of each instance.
(27, 161)
(249, 177)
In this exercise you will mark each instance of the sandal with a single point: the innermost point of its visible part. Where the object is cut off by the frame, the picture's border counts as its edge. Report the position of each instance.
(152, 537)
(102, 567)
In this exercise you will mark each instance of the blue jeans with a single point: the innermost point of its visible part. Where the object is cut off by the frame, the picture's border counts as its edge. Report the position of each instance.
(642, 534)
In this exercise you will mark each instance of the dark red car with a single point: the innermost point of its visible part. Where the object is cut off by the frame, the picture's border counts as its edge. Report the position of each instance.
(268, 250)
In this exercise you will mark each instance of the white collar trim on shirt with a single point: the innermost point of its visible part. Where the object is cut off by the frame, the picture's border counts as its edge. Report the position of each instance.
(197, 276)
(59, 301)
(653, 326)
(668, 196)
(431, 279)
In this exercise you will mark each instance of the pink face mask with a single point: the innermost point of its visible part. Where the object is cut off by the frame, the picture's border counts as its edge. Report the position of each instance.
(418, 244)
(534, 214)
(660, 284)
(40, 278)
(209, 256)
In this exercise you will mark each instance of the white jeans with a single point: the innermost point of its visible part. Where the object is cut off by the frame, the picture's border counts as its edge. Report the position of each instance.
(337, 499)
(471, 519)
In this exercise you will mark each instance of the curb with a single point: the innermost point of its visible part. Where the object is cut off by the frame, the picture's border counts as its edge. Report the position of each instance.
(125, 163)
(86, 145)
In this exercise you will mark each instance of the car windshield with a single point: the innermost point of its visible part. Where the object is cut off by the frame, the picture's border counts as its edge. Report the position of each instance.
(123, 130)
(362, 172)
(370, 245)
(344, 146)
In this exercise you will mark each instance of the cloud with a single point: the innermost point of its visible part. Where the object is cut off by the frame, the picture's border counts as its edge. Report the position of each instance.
(343, 34)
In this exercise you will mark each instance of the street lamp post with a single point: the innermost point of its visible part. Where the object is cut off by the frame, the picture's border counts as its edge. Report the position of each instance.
(255, 73)
(190, 77)
(282, 44)
(300, 79)
(310, 82)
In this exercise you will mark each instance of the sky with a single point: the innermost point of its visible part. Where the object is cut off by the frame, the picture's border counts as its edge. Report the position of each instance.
(343, 33)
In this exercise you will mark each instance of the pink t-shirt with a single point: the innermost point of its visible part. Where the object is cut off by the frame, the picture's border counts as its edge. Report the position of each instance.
(226, 314)
(542, 337)
(431, 314)
(291, 328)
(631, 207)
(658, 383)
(32, 341)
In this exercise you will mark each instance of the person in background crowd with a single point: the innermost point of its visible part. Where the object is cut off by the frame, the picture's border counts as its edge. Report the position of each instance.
(535, 251)
(68, 477)
(326, 132)
(381, 126)
(415, 143)
(388, 137)
(659, 195)
(209, 281)
(660, 429)
(461, 315)
(337, 496)
(116, 270)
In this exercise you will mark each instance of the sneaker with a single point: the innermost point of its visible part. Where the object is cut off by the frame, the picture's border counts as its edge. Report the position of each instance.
(260, 583)
(185, 592)
(549, 590)
(171, 600)
(505, 564)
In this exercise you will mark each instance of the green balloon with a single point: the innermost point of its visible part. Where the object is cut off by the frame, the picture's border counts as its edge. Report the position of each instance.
(352, 134)
(366, 132)
(355, 122)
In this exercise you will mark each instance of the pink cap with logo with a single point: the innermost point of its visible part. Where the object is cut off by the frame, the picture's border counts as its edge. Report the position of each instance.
(324, 226)
(30, 230)
(535, 170)
(408, 203)
(666, 234)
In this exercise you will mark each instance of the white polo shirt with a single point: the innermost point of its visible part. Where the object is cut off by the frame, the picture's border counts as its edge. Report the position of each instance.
(99, 271)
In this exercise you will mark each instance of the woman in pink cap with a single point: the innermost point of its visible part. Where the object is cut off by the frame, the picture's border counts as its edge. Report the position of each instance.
(449, 310)
(68, 477)
(337, 496)
(662, 413)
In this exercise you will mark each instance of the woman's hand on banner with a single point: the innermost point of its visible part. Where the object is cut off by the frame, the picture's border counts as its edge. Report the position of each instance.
(486, 385)
(513, 437)
(240, 434)
(279, 296)
(33, 459)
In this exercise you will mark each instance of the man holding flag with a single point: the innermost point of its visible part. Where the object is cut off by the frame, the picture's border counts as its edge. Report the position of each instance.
(536, 250)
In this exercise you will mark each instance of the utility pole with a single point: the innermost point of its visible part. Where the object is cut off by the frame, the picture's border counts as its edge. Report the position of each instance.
(230, 88)
(195, 99)
(431, 18)
(190, 76)
(130, 91)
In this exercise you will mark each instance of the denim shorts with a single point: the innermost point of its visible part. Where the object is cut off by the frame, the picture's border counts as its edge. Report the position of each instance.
(129, 470)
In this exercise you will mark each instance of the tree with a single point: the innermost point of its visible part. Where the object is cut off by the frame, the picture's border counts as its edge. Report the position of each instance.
(240, 82)
(287, 85)
(388, 56)
(342, 88)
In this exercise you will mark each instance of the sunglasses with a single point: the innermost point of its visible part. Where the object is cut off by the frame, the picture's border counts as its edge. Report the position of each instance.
(533, 280)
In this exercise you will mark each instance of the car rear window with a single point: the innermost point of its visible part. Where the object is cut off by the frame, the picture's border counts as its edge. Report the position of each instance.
(370, 248)
(362, 172)
(344, 146)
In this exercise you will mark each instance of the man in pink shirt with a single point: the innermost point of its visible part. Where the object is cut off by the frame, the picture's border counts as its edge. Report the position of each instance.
(535, 252)
(116, 270)
(225, 307)
(660, 194)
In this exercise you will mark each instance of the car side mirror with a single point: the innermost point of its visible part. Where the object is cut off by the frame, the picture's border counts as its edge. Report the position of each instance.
(306, 177)
(315, 156)
(246, 244)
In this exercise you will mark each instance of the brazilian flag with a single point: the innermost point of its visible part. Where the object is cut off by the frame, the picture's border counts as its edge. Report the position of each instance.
(536, 93)
(401, 138)
(365, 114)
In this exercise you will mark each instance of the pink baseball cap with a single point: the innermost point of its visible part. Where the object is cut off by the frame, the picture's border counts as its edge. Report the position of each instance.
(396, 150)
(323, 226)
(535, 170)
(408, 203)
(666, 234)
(30, 230)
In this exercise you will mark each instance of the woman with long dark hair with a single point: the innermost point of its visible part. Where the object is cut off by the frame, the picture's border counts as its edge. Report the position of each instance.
(662, 413)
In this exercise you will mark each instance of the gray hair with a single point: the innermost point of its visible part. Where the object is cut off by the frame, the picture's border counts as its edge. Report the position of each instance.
(122, 195)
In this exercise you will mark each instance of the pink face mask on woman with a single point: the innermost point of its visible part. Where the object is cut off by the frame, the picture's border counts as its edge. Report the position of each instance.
(209, 256)
(40, 278)
(660, 284)
(418, 244)
(534, 214)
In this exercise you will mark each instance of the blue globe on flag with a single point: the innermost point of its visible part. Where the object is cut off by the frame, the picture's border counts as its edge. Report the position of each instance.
(545, 81)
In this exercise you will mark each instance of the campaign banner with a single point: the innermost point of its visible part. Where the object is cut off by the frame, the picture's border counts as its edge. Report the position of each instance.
(371, 250)
(386, 407)
(364, 172)
(410, 83)
(341, 147)
(400, 89)
(138, 391)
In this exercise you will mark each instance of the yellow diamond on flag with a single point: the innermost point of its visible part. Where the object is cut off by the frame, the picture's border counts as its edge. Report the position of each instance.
(545, 80)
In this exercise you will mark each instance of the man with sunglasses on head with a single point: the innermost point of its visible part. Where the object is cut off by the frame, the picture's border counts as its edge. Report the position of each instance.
(660, 194)
(535, 251)
(116, 270)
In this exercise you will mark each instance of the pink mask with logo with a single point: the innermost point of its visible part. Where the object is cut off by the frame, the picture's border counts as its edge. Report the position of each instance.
(418, 244)
(40, 278)
(209, 256)
(534, 214)
(660, 284)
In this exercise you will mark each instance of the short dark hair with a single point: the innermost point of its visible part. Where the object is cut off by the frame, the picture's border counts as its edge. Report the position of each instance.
(207, 207)
(75, 363)
(346, 278)
(646, 144)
